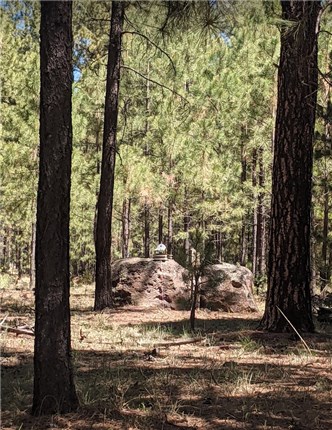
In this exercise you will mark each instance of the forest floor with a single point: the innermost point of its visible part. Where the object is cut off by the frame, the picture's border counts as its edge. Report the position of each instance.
(233, 377)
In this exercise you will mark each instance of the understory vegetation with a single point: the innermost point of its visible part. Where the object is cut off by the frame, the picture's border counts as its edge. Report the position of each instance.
(130, 372)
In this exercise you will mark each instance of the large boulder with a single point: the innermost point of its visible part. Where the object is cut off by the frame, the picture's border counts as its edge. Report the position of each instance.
(147, 283)
(228, 287)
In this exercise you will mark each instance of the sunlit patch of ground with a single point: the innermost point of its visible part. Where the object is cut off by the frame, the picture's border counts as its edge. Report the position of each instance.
(131, 373)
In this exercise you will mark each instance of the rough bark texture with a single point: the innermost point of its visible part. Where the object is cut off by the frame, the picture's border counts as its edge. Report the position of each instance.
(103, 298)
(54, 389)
(289, 271)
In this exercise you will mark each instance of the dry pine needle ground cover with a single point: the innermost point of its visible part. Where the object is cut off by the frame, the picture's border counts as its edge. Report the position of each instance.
(233, 377)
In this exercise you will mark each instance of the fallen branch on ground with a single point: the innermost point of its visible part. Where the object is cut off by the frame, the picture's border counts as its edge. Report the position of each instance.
(17, 330)
(178, 342)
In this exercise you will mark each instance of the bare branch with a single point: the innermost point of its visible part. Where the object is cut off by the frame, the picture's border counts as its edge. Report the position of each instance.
(325, 31)
(154, 44)
(178, 342)
(321, 12)
(155, 82)
(323, 75)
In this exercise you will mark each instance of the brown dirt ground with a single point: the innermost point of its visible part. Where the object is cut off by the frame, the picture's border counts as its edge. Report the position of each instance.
(234, 378)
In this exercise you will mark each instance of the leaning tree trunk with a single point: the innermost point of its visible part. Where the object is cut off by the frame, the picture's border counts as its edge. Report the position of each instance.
(289, 271)
(54, 390)
(103, 297)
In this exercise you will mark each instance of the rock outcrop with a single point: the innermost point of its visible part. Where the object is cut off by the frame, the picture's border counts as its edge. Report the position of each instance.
(228, 287)
(147, 283)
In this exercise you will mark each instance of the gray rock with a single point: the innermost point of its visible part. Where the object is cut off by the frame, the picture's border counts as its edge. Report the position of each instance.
(228, 287)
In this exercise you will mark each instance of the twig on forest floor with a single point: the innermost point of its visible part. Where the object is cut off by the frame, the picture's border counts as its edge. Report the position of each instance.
(16, 330)
(301, 338)
(4, 319)
(178, 342)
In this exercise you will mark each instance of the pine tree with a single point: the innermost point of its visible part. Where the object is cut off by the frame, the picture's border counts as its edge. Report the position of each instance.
(289, 269)
(105, 197)
(54, 389)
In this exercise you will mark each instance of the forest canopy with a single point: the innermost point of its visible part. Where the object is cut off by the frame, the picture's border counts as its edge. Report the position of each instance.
(195, 132)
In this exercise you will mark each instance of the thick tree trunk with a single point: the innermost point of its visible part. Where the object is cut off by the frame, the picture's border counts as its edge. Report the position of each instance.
(54, 390)
(103, 293)
(125, 227)
(289, 271)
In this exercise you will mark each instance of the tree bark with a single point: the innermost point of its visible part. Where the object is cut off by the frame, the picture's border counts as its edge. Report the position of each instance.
(325, 271)
(160, 226)
(103, 293)
(146, 230)
(258, 239)
(255, 213)
(54, 390)
(289, 266)
(170, 228)
(261, 219)
(186, 227)
(32, 271)
(244, 237)
(125, 227)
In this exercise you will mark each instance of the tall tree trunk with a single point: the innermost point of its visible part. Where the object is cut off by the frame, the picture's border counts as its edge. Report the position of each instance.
(324, 272)
(125, 227)
(186, 227)
(54, 390)
(170, 229)
(146, 230)
(289, 267)
(258, 254)
(160, 226)
(255, 213)
(325, 267)
(103, 293)
(219, 246)
(244, 237)
(18, 253)
(261, 219)
(32, 271)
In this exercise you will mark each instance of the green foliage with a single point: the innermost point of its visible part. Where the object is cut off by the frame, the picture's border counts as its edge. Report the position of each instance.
(196, 102)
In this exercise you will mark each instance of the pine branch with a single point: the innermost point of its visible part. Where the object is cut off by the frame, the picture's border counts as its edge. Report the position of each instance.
(155, 82)
(153, 44)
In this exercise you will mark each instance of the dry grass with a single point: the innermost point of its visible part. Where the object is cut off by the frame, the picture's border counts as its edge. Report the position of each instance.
(237, 378)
